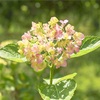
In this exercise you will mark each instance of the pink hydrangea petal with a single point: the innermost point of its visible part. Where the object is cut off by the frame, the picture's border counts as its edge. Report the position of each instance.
(33, 26)
(35, 49)
(26, 36)
(46, 28)
(82, 36)
(39, 58)
(78, 36)
(59, 50)
(70, 50)
(69, 29)
(76, 48)
(59, 33)
(79, 42)
(64, 63)
(63, 22)
(58, 65)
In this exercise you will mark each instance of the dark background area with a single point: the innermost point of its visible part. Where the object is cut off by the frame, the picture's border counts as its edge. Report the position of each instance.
(17, 80)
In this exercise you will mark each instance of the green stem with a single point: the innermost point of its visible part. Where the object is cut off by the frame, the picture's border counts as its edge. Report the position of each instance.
(51, 75)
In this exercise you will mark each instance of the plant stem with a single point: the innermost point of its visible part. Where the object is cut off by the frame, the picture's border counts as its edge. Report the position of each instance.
(51, 74)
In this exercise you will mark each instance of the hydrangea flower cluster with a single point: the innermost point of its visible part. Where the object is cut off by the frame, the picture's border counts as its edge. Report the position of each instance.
(50, 43)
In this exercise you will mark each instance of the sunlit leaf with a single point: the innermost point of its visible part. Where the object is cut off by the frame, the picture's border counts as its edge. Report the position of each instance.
(10, 52)
(55, 81)
(89, 44)
(63, 90)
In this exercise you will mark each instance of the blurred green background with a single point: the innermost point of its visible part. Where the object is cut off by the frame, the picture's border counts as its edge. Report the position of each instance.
(18, 80)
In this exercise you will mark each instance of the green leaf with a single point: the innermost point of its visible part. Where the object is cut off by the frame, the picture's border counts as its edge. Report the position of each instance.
(10, 52)
(55, 81)
(63, 90)
(89, 44)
